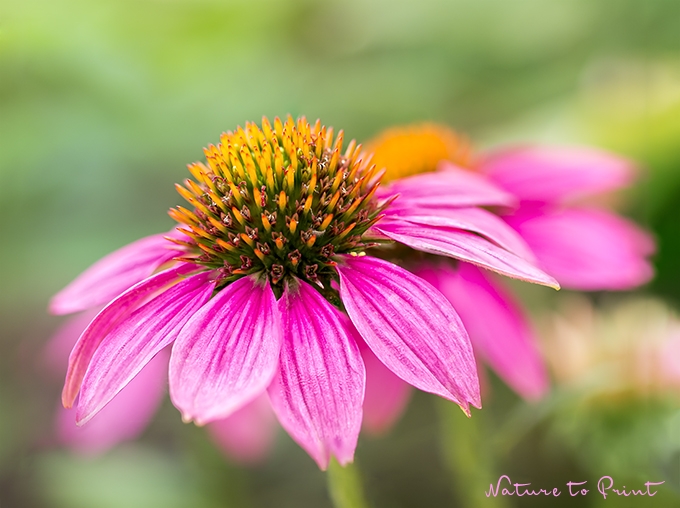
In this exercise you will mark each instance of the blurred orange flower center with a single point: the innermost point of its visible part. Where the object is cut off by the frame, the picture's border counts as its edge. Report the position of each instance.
(413, 149)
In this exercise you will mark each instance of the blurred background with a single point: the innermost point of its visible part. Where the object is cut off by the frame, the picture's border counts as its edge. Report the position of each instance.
(103, 103)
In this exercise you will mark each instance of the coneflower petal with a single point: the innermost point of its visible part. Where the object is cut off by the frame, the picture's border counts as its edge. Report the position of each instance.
(319, 389)
(549, 174)
(465, 246)
(115, 312)
(61, 343)
(499, 333)
(113, 274)
(475, 220)
(386, 393)
(124, 418)
(246, 435)
(227, 353)
(137, 339)
(411, 327)
(450, 187)
(588, 249)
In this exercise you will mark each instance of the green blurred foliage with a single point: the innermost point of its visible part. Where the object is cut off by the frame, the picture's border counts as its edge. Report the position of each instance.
(632, 105)
(102, 103)
(132, 477)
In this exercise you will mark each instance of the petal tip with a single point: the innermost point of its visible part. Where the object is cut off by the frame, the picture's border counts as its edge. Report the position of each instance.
(83, 419)
(57, 306)
(347, 460)
(68, 397)
(53, 307)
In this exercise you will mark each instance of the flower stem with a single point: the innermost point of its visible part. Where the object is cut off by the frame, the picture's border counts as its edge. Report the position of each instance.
(469, 456)
(344, 486)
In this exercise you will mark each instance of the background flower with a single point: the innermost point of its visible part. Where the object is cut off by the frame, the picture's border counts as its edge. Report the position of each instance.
(583, 247)
(626, 350)
(618, 364)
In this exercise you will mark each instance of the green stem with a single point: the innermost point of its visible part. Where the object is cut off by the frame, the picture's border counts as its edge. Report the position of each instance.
(344, 486)
(469, 455)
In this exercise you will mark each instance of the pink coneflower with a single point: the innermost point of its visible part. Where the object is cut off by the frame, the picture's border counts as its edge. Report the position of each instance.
(268, 288)
(582, 247)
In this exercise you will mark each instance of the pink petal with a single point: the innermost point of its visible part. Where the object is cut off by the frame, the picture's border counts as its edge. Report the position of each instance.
(227, 353)
(475, 220)
(318, 391)
(499, 332)
(247, 435)
(106, 320)
(124, 418)
(113, 274)
(410, 327)
(386, 394)
(549, 174)
(587, 249)
(465, 246)
(61, 344)
(451, 187)
(137, 339)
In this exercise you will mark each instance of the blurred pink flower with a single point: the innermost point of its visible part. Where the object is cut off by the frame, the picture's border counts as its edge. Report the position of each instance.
(583, 247)
(386, 394)
(530, 189)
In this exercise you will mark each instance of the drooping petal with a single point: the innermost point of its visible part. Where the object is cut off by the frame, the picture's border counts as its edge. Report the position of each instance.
(451, 187)
(588, 249)
(386, 394)
(137, 339)
(499, 332)
(247, 435)
(465, 246)
(227, 353)
(548, 174)
(113, 274)
(319, 389)
(106, 320)
(475, 220)
(410, 327)
(124, 418)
